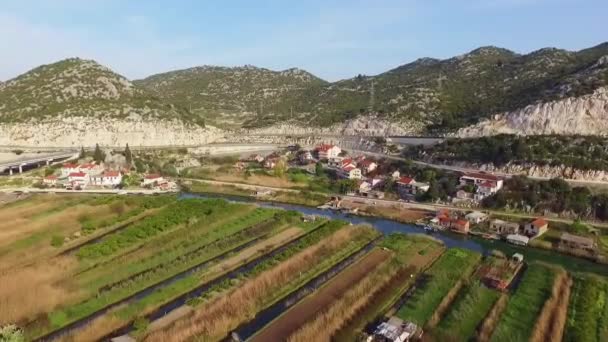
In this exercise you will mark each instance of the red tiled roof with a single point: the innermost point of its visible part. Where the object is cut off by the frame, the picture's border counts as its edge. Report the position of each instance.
(461, 222)
(324, 147)
(347, 161)
(488, 184)
(406, 180)
(367, 162)
(87, 166)
(349, 168)
(480, 175)
(111, 174)
(152, 176)
(51, 177)
(539, 222)
(77, 174)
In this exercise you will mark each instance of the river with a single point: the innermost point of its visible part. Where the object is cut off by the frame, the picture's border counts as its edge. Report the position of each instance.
(386, 226)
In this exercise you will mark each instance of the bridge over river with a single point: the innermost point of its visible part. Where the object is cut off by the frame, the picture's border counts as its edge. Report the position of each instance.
(19, 164)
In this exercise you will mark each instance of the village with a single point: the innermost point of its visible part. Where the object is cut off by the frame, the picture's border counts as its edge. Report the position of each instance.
(376, 184)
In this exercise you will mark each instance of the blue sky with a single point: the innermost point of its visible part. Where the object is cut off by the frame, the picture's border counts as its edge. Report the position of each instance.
(332, 39)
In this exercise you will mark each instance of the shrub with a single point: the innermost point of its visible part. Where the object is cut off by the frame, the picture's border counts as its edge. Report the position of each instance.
(57, 241)
(11, 333)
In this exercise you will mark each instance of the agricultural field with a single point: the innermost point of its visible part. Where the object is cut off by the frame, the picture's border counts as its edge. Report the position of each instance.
(588, 310)
(447, 273)
(158, 268)
(166, 247)
(518, 320)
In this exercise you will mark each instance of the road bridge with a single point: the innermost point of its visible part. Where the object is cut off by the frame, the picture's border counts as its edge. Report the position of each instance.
(30, 162)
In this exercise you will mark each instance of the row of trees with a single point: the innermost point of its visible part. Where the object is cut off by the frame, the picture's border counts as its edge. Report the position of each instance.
(100, 156)
(587, 153)
(554, 195)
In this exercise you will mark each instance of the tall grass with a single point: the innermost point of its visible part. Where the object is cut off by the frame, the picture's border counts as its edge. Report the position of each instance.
(466, 313)
(441, 278)
(491, 321)
(518, 319)
(588, 310)
(551, 322)
(30, 291)
(330, 320)
(214, 320)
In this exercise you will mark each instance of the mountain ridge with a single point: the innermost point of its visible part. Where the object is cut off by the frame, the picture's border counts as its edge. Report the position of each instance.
(428, 95)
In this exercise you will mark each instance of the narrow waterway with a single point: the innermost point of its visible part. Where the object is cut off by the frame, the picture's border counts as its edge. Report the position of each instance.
(477, 244)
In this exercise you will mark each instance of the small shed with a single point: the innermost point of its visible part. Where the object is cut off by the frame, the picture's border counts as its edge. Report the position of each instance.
(517, 239)
(476, 217)
(575, 241)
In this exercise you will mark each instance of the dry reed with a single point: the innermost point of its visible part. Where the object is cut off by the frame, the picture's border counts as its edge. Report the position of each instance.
(331, 320)
(551, 321)
(95, 330)
(216, 319)
(445, 304)
(490, 322)
(29, 292)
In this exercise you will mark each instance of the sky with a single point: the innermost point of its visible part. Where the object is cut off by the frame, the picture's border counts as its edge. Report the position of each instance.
(332, 39)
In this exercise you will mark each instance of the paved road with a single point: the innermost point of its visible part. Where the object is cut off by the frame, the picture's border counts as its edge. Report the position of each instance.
(241, 185)
(461, 169)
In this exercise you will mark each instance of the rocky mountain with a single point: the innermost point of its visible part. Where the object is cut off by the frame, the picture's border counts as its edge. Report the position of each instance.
(425, 96)
(78, 102)
(231, 96)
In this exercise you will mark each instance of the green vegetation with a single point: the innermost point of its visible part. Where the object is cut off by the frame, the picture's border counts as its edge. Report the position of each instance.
(451, 267)
(588, 310)
(555, 195)
(175, 214)
(466, 313)
(57, 241)
(579, 152)
(524, 306)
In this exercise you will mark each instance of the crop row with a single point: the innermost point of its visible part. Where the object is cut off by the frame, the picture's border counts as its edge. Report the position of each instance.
(451, 267)
(517, 321)
(588, 310)
(196, 237)
(217, 317)
(467, 312)
(180, 212)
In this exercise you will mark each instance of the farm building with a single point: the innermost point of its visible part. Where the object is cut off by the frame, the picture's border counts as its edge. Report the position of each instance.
(567, 240)
(395, 330)
(504, 227)
(536, 228)
(517, 239)
(476, 217)
(498, 272)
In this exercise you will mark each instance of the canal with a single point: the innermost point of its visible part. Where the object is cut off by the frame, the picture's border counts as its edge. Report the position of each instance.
(570, 263)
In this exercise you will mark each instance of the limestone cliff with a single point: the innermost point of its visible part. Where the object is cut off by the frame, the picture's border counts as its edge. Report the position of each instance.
(88, 131)
(584, 115)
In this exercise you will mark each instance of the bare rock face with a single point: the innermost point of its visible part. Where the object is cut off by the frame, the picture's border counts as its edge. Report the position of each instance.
(361, 126)
(88, 131)
(585, 115)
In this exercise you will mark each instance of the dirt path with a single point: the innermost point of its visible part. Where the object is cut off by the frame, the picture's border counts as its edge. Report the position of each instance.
(306, 310)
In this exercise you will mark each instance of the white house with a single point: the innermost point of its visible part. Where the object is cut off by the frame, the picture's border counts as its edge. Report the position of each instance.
(68, 168)
(536, 228)
(476, 217)
(78, 179)
(350, 172)
(107, 178)
(327, 151)
(90, 168)
(368, 165)
(153, 179)
(50, 180)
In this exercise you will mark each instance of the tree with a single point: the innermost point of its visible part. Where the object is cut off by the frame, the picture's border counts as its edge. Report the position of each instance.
(319, 170)
(128, 155)
(347, 185)
(98, 155)
(280, 168)
(82, 153)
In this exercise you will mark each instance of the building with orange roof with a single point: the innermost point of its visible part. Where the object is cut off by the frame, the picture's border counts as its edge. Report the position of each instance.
(536, 227)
